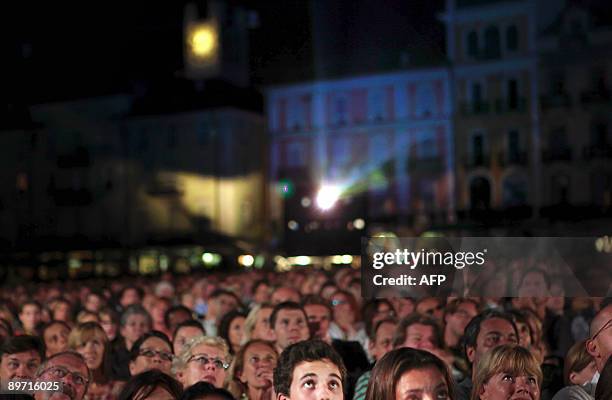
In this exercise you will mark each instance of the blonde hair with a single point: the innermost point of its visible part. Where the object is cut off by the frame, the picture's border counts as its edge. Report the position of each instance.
(180, 362)
(576, 360)
(85, 332)
(251, 321)
(505, 359)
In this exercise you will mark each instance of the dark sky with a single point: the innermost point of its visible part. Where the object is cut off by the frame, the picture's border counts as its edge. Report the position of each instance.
(61, 50)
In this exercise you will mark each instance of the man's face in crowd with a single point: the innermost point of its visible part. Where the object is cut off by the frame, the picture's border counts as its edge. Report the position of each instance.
(493, 332)
(290, 327)
(93, 303)
(284, 294)
(177, 317)
(315, 380)
(383, 342)
(71, 372)
(221, 305)
(30, 316)
(432, 307)
(130, 296)
(458, 320)
(135, 326)
(318, 317)
(533, 285)
(600, 343)
(19, 365)
(261, 293)
(61, 312)
(419, 336)
(183, 336)
(56, 339)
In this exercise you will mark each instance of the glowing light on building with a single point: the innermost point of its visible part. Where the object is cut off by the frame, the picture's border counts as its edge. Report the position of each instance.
(328, 196)
(246, 260)
(203, 41)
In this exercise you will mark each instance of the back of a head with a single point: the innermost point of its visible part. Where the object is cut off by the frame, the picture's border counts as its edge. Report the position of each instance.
(145, 383)
(205, 391)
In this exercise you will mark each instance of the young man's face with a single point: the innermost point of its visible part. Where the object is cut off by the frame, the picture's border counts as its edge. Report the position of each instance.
(383, 342)
(290, 327)
(419, 336)
(493, 332)
(315, 380)
(19, 365)
(56, 339)
(319, 316)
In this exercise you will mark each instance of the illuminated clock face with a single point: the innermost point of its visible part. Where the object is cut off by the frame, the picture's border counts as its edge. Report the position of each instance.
(203, 41)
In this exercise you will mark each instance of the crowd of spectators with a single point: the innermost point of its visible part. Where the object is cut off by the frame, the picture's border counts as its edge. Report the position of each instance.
(304, 334)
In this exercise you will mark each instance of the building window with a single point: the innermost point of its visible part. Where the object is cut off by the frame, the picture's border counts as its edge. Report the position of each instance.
(296, 156)
(599, 134)
(492, 49)
(514, 145)
(202, 134)
(560, 189)
(512, 38)
(557, 83)
(426, 145)
(376, 105)
(476, 97)
(514, 191)
(513, 97)
(472, 44)
(340, 110)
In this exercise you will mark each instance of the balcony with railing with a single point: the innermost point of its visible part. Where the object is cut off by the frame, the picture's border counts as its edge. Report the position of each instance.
(555, 101)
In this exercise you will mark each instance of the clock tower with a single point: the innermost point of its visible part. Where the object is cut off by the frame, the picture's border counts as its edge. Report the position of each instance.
(216, 42)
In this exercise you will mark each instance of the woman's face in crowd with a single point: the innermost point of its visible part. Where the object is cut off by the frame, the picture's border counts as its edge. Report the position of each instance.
(342, 307)
(93, 352)
(507, 386)
(422, 384)
(524, 334)
(204, 365)
(258, 365)
(262, 325)
(533, 285)
(56, 339)
(183, 336)
(154, 353)
(61, 312)
(110, 328)
(236, 331)
(316, 380)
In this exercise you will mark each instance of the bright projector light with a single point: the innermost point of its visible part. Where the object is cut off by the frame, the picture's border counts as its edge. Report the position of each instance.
(327, 197)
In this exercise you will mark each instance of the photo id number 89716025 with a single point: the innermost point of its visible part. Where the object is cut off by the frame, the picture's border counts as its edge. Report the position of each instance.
(25, 386)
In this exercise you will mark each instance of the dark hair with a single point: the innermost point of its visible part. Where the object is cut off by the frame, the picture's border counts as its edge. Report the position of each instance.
(286, 305)
(50, 324)
(453, 306)
(370, 309)
(316, 300)
(135, 351)
(472, 329)
(226, 322)
(148, 381)
(130, 287)
(29, 303)
(6, 325)
(390, 368)
(111, 313)
(309, 351)
(175, 309)
(200, 389)
(379, 324)
(19, 344)
(258, 283)
(189, 323)
(400, 332)
(220, 292)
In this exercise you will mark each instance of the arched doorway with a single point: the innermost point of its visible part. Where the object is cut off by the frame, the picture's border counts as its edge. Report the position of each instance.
(480, 193)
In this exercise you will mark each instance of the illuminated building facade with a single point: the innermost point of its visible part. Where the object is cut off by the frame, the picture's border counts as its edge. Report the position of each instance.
(384, 139)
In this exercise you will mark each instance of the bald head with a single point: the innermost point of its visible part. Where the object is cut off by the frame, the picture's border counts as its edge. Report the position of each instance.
(599, 344)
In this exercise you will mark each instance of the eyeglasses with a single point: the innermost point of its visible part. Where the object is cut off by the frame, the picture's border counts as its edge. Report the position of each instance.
(603, 328)
(149, 353)
(336, 303)
(61, 372)
(203, 360)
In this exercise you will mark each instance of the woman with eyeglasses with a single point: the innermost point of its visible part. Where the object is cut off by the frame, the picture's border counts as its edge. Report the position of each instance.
(152, 350)
(90, 341)
(205, 358)
(346, 324)
(252, 369)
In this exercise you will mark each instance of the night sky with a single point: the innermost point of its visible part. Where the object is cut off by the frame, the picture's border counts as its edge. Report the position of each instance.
(55, 51)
